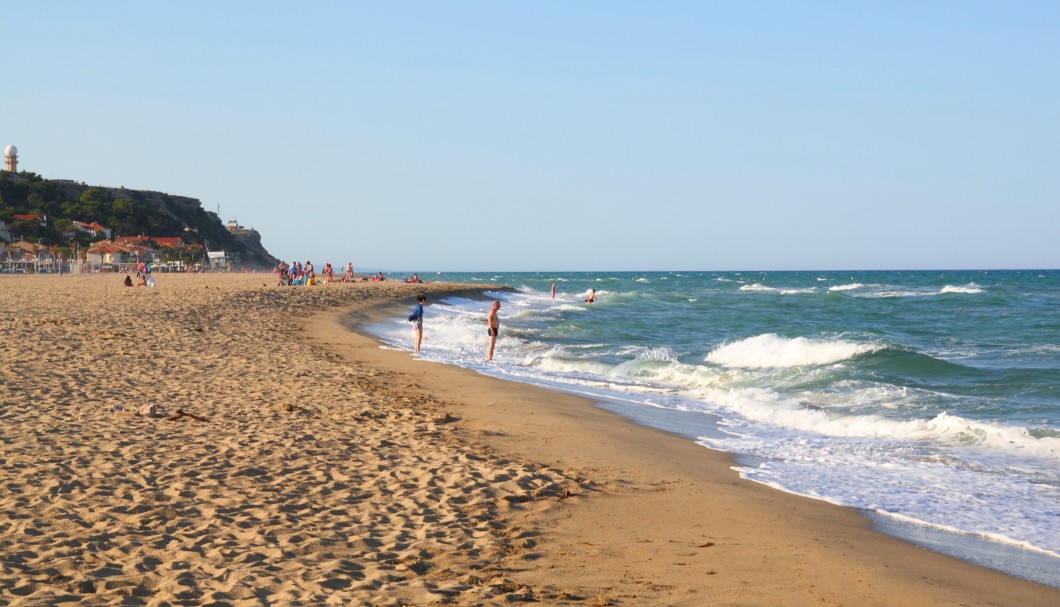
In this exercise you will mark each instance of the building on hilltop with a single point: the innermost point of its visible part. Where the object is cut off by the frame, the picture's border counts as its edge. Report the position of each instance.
(93, 228)
(41, 219)
(162, 241)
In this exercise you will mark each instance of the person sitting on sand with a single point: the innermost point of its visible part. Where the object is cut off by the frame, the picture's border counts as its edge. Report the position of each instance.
(311, 280)
(128, 280)
(143, 281)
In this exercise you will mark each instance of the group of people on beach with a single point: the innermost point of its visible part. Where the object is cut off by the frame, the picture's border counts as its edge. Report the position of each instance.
(299, 274)
(143, 275)
(493, 324)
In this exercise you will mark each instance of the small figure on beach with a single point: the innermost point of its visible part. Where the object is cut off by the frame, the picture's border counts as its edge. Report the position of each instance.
(590, 296)
(128, 280)
(416, 318)
(348, 276)
(493, 327)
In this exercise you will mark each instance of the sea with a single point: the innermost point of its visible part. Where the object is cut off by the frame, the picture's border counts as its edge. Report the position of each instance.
(927, 400)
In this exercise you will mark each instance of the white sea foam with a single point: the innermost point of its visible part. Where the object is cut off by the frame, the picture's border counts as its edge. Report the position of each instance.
(760, 288)
(658, 354)
(943, 471)
(919, 485)
(772, 351)
(970, 289)
(886, 293)
(763, 405)
(849, 287)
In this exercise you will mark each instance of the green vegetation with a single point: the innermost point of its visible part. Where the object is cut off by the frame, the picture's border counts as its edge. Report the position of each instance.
(126, 212)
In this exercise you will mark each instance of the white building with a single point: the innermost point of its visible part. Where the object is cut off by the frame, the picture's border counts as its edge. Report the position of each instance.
(217, 259)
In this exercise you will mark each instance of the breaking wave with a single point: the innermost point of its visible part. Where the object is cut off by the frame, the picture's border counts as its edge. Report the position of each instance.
(771, 351)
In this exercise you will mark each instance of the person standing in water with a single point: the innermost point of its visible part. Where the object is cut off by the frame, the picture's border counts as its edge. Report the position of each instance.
(417, 319)
(494, 327)
(553, 290)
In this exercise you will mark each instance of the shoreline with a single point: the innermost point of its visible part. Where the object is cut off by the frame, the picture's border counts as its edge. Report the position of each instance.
(1000, 554)
(325, 467)
(903, 572)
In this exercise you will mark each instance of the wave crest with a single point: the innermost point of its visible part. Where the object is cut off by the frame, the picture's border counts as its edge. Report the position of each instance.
(770, 351)
(968, 289)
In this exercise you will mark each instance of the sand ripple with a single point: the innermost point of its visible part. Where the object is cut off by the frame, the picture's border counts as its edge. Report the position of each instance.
(309, 482)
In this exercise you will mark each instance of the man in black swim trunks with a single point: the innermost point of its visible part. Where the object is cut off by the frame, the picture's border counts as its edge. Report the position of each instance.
(494, 327)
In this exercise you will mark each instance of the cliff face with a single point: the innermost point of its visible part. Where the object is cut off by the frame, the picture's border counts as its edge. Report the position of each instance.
(128, 213)
(256, 255)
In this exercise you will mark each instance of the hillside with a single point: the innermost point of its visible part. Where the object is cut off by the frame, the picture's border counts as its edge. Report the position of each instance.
(126, 212)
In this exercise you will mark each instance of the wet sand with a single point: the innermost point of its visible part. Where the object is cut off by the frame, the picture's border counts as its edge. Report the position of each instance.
(311, 466)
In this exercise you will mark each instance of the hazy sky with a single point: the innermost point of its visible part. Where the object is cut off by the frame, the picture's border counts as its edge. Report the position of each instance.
(425, 136)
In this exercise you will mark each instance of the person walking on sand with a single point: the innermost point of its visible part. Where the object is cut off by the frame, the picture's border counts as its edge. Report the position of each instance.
(417, 319)
(494, 327)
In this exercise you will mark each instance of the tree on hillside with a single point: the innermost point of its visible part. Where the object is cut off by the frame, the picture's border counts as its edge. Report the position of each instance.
(32, 231)
(93, 205)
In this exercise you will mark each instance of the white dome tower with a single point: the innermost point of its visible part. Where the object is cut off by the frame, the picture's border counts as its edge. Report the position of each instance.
(11, 158)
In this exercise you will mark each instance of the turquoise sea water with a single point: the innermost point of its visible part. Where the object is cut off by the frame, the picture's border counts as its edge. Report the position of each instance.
(928, 400)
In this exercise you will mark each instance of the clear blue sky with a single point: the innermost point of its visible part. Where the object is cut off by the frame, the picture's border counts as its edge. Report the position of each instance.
(425, 136)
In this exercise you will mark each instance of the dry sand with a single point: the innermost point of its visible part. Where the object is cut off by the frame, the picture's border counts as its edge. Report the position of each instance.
(326, 470)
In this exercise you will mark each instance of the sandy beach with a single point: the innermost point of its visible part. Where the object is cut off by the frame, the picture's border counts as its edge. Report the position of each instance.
(289, 460)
